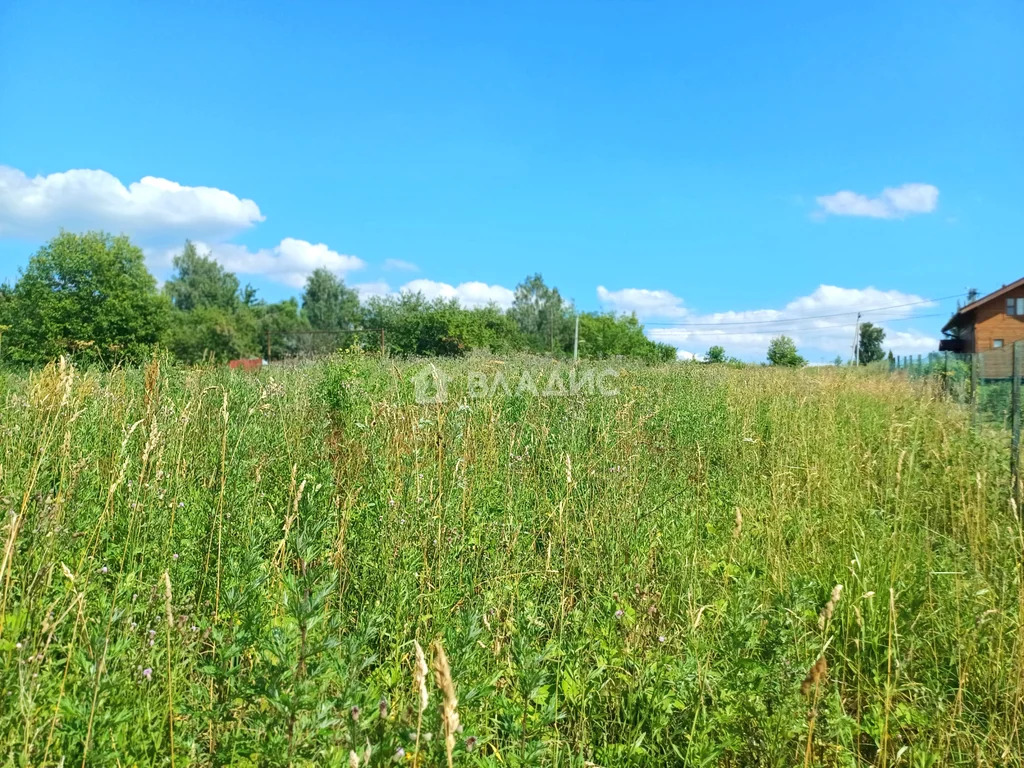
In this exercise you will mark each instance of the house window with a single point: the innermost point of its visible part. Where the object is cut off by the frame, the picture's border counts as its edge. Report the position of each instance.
(1015, 306)
(997, 343)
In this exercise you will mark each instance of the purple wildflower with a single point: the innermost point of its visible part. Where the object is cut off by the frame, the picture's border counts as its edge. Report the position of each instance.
(618, 614)
(147, 673)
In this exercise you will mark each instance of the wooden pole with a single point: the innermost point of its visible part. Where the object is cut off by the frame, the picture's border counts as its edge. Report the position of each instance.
(382, 342)
(1018, 358)
(268, 345)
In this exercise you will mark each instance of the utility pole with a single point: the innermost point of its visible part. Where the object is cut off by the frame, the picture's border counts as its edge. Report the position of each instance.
(576, 341)
(856, 341)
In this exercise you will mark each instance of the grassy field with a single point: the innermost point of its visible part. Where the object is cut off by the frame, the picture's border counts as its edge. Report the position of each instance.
(714, 566)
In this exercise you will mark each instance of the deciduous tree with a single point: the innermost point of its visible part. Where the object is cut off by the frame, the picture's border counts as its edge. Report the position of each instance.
(782, 351)
(89, 295)
(870, 344)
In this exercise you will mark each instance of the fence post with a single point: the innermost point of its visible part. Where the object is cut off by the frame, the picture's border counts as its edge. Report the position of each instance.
(974, 381)
(268, 345)
(1018, 357)
(382, 342)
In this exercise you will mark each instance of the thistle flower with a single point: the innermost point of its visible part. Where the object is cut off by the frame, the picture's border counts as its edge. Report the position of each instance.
(618, 614)
(147, 673)
(399, 755)
(355, 714)
(104, 569)
(382, 708)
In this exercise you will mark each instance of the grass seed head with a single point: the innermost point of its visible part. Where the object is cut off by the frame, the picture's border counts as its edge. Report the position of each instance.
(814, 677)
(830, 606)
(420, 676)
(449, 704)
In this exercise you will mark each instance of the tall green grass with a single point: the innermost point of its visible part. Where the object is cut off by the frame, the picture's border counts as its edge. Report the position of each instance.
(201, 567)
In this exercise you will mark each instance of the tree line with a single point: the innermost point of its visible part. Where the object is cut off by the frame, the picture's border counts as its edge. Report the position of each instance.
(90, 296)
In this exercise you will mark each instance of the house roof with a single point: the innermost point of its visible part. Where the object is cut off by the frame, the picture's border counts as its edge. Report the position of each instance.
(967, 309)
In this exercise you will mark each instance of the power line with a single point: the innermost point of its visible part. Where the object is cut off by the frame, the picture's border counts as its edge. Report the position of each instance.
(808, 317)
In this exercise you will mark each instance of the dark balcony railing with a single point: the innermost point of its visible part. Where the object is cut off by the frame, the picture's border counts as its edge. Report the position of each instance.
(952, 345)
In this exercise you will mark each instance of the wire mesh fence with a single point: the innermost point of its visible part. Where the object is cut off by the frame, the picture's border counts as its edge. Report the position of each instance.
(989, 382)
(983, 380)
(282, 346)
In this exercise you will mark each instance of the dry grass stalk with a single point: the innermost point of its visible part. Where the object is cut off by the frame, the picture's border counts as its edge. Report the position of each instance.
(449, 704)
(170, 680)
(420, 681)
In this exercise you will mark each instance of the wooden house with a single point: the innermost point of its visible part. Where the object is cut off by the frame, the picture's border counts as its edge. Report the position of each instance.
(988, 326)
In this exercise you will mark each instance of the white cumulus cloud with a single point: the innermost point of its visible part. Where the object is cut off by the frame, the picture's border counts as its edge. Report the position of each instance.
(892, 203)
(471, 294)
(822, 320)
(642, 302)
(289, 262)
(36, 207)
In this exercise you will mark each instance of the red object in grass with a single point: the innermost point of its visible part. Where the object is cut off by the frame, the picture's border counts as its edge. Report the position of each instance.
(247, 364)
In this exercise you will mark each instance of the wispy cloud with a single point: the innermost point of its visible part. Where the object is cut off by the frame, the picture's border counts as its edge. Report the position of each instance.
(892, 203)
(398, 265)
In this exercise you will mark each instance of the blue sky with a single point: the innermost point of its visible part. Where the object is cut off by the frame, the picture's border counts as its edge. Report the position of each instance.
(704, 166)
